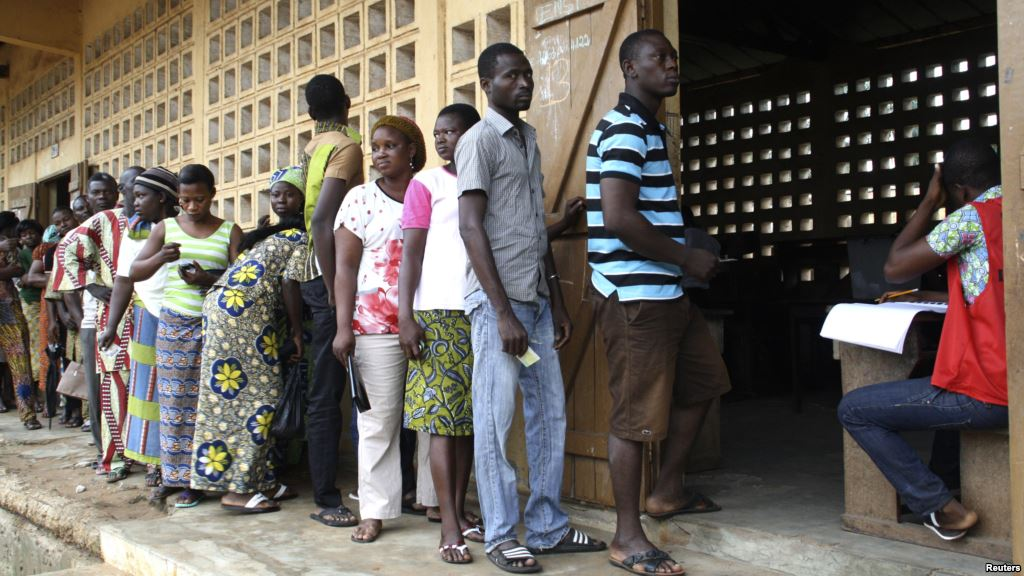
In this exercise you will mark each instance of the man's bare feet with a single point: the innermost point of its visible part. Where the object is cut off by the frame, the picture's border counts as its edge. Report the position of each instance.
(662, 507)
(954, 516)
(367, 531)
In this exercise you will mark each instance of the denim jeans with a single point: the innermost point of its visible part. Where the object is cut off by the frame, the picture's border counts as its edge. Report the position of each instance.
(874, 416)
(496, 375)
(326, 387)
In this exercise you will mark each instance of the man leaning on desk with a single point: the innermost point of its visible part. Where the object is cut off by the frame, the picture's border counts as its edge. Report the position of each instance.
(967, 389)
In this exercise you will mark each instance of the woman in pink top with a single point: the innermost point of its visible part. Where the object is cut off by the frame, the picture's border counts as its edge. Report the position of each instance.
(435, 332)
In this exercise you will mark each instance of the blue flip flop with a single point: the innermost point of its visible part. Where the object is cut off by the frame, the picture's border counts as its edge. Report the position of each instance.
(199, 496)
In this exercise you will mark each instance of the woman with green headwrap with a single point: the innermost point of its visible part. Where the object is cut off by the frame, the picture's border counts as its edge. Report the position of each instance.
(241, 369)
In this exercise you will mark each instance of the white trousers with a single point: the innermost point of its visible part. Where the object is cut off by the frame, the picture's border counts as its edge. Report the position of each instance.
(381, 366)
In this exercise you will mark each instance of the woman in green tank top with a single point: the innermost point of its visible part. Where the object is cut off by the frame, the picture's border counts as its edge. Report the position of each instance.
(197, 247)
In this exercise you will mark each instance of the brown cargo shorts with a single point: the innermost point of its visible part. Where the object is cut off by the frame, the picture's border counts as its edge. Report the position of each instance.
(660, 355)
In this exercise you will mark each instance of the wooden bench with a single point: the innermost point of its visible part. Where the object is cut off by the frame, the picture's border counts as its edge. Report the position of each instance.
(872, 505)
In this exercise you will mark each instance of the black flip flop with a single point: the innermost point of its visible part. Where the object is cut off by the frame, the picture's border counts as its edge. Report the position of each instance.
(323, 517)
(117, 474)
(504, 559)
(697, 504)
(648, 561)
(573, 542)
(160, 493)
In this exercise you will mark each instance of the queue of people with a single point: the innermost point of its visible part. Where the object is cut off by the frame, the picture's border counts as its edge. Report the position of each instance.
(433, 292)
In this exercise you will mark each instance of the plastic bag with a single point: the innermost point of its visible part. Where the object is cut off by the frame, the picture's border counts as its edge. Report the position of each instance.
(289, 419)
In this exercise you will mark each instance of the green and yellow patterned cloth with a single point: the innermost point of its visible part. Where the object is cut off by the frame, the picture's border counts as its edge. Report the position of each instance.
(241, 381)
(438, 387)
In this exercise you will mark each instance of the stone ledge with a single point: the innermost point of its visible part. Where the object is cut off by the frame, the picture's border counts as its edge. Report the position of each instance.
(856, 555)
(65, 519)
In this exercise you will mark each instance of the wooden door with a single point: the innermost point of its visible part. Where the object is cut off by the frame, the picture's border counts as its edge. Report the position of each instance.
(573, 47)
(1011, 147)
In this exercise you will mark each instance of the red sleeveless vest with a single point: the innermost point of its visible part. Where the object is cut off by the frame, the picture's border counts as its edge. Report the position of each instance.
(972, 351)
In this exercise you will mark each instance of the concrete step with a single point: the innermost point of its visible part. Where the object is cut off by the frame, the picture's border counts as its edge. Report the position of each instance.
(792, 544)
(206, 540)
(98, 569)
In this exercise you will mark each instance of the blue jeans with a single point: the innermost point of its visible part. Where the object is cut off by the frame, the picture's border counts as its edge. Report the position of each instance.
(495, 379)
(874, 416)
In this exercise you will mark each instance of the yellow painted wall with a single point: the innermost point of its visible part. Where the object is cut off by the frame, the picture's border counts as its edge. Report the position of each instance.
(220, 82)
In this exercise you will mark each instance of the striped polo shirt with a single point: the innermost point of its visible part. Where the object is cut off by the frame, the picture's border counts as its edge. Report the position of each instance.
(211, 253)
(629, 144)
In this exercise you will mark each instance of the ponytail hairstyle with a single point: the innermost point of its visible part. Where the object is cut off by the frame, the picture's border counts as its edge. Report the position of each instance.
(258, 235)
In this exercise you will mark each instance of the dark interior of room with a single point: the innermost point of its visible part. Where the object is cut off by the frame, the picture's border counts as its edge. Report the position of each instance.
(807, 135)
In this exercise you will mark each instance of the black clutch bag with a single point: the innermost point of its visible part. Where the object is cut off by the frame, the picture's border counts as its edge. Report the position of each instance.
(359, 398)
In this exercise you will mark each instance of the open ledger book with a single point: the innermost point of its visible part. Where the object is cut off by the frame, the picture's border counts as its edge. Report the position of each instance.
(880, 326)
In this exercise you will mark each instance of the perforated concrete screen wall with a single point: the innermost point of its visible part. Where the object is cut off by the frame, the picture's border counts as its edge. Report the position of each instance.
(833, 151)
(221, 82)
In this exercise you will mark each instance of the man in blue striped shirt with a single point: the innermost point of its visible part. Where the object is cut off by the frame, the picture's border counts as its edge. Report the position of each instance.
(664, 367)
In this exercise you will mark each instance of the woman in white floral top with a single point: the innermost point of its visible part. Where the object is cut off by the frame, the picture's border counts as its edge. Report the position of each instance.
(368, 244)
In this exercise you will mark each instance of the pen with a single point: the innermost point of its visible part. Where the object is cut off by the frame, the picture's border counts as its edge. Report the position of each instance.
(896, 294)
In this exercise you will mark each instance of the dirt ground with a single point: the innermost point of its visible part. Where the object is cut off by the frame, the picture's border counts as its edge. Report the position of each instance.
(55, 462)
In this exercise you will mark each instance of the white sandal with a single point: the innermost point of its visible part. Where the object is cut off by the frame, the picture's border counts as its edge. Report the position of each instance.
(253, 505)
(462, 549)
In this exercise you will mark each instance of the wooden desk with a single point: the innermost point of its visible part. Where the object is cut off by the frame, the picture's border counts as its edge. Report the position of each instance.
(872, 506)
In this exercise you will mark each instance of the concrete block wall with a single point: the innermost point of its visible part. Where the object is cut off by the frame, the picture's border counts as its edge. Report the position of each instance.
(221, 82)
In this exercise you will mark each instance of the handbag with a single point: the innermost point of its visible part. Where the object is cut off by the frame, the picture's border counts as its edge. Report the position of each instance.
(359, 398)
(72, 382)
(288, 417)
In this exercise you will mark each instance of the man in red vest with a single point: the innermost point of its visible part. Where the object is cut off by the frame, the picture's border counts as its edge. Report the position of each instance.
(967, 389)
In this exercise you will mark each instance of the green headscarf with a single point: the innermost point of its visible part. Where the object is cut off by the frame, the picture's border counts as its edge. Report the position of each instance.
(291, 175)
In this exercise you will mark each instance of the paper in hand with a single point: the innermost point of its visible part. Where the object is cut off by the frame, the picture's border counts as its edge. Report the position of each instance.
(529, 358)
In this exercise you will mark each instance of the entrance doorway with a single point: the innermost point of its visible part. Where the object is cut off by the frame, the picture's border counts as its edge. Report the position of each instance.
(52, 192)
(809, 131)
